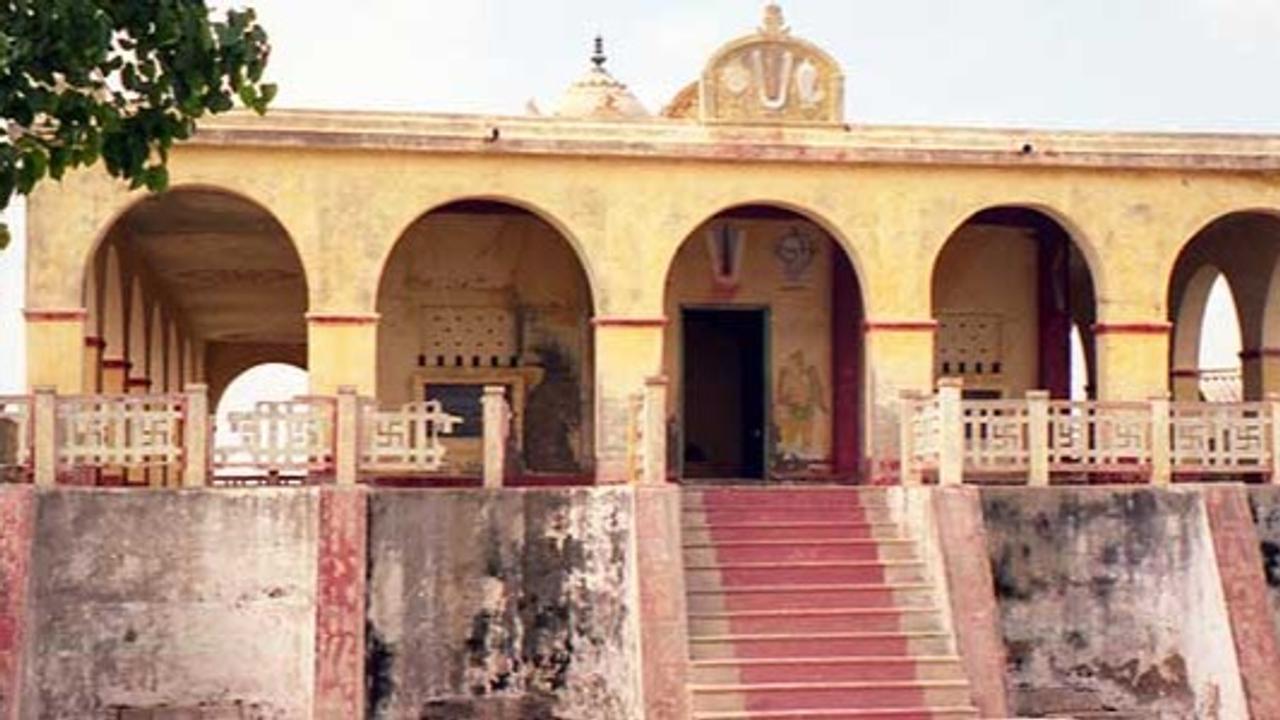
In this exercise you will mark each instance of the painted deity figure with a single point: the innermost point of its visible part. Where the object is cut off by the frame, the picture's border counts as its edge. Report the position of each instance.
(800, 399)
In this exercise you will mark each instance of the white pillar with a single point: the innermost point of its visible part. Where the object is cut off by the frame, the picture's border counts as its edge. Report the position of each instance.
(1038, 437)
(655, 431)
(44, 426)
(346, 453)
(1161, 467)
(497, 422)
(908, 405)
(950, 432)
(195, 442)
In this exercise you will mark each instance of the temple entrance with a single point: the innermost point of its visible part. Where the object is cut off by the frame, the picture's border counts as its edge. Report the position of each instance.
(724, 383)
(767, 331)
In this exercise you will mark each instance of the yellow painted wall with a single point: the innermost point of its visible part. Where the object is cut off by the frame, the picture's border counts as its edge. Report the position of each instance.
(515, 264)
(991, 271)
(799, 332)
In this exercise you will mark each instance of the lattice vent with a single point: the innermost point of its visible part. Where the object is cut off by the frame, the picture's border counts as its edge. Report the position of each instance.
(486, 334)
(968, 344)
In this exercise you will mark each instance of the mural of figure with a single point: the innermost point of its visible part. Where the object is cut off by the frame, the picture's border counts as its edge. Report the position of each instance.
(800, 398)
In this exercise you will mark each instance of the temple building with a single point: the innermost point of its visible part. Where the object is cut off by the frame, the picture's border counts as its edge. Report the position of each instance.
(691, 336)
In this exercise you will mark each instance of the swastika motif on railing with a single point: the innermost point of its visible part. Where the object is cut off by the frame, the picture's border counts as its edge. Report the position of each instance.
(279, 440)
(995, 436)
(1220, 438)
(15, 435)
(405, 440)
(120, 431)
(1099, 436)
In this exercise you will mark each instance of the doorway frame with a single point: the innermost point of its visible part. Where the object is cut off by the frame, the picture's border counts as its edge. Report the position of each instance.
(765, 312)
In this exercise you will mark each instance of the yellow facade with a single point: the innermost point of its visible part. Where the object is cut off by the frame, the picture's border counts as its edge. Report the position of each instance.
(629, 200)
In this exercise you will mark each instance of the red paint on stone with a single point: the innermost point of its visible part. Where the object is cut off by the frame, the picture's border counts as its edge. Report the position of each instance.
(1235, 542)
(340, 604)
(17, 507)
(663, 620)
(975, 615)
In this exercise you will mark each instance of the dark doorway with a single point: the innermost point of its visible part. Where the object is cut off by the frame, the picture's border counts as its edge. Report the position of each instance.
(724, 393)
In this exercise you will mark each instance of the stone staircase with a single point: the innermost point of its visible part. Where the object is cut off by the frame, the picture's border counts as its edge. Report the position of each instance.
(811, 603)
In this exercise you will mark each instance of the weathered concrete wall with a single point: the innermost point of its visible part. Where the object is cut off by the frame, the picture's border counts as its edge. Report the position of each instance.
(504, 604)
(172, 600)
(1265, 503)
(1110, 600)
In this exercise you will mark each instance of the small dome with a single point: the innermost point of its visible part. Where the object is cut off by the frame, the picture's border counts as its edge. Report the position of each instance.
(598, 96)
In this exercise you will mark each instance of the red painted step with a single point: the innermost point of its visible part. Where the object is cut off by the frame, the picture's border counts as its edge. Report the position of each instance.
(837, 572)
(808, 696)
(812, 603)
(756, 671)
(828, 620)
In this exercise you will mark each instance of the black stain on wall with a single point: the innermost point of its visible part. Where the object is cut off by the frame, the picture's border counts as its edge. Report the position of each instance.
(553, 413)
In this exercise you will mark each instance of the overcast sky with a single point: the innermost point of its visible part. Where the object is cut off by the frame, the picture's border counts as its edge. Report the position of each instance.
(1099, 64)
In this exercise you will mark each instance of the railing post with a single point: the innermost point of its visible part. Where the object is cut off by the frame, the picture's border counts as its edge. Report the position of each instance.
(1273, 406)
(497, 419)
(44, 449)
(908, 405)
(655, 431)
(346, 451)
(195, 436)
(1038, 438)
(1161, 463)
(950, 431)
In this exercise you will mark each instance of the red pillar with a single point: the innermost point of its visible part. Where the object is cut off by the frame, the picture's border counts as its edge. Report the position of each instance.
(340, 604)
(846, 366)
(17, 520)
(1054, 293)
(1244, 587)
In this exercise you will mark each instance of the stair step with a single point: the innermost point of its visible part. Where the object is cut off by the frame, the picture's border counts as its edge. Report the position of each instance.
(813, 530)
(768, 512)
(870, 668)
(964, 712)
(837, 572)
(829, 696)
(820, 620)
(696, 553)
(879, 595)
(789, 496)
(812, 645)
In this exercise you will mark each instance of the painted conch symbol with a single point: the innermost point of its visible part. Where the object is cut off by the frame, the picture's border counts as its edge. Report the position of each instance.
(807, 84)
(783, 79)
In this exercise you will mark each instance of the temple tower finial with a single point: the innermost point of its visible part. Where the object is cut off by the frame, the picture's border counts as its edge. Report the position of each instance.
(598, 57)
(773, 22)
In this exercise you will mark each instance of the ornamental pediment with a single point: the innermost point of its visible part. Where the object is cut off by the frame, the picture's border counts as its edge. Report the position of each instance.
(772, 77)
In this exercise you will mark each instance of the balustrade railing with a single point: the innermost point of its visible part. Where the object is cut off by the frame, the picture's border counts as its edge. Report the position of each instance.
(1029, 440)
(119, 431)
(278, 442)
(405, 440)
(15, 438)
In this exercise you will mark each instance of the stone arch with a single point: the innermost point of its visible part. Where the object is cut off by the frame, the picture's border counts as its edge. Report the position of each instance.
(1006, 332)
(483, 290)
(215, 262)
(536, 210)
(786, 269)
(1244, 246)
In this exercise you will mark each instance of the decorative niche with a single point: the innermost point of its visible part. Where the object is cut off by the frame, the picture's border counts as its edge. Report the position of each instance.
(462, 350)
(969, 346)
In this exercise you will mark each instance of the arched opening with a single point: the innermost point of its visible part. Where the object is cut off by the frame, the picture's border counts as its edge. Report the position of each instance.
(1223, 302)
(763, 350)
(268, 382)
(219, 269)
(1010, 289)
(1207, 344)
(478, 293)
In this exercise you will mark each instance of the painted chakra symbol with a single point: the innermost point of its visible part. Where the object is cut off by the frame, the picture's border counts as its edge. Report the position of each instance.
(736, 77)
(795, 251)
